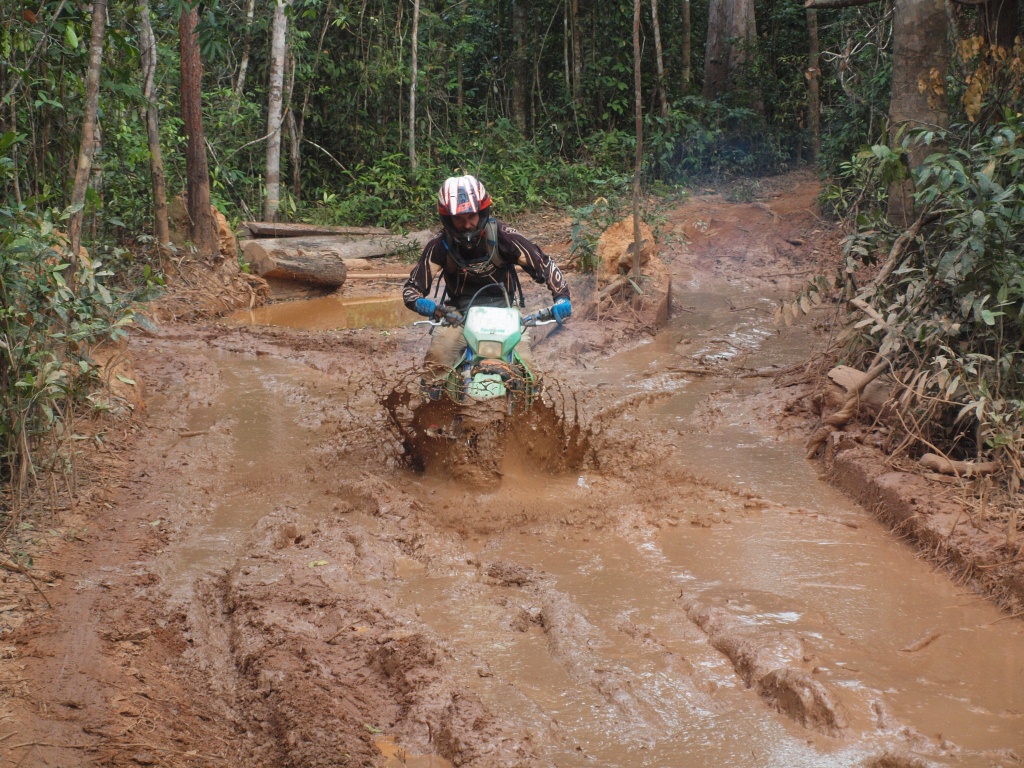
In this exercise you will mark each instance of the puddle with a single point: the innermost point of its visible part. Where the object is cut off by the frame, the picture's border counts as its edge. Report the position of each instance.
(397, 757)
(328, 313)
(632, 681)
(590, 646)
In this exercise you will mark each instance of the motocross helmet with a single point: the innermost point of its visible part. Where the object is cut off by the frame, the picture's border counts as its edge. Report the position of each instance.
(459, 195)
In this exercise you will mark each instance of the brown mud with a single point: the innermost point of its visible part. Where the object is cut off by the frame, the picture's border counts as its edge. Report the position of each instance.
(271, 567)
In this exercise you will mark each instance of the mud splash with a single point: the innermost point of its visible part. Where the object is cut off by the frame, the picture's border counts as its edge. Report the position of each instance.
(478, 442)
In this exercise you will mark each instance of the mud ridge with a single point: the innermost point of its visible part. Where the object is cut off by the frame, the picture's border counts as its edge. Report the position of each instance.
(326, 663)
(767, 661)
(912, 508)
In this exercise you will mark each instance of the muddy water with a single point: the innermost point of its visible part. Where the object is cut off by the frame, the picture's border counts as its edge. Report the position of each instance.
(571, 617)
(328, 313)
(630, 680)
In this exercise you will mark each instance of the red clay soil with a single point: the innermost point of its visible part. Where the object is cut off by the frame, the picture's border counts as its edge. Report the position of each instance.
(138, 635)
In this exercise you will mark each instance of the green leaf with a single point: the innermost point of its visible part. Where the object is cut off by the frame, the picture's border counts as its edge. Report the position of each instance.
(70, 37)
(126, 380)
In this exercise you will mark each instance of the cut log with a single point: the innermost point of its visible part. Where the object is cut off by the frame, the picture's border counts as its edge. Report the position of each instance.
(321, 260)
(375, 265)
(378, 275)
(298, 229)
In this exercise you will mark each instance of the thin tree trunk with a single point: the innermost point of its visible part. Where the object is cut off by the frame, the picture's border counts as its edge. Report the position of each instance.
(920, 57)
(16, 175)
(413, 163)
(147, 49)
(274, 112)
(96, 179)
(662, 94)
(244, 66)
(204, 233)
(459, 95)
(519, 64)
(577, 54)
(565, 45)
(88, 145)
(294, 154)
(687, 35)
(638, 164)
(813, 85)
(294, 145)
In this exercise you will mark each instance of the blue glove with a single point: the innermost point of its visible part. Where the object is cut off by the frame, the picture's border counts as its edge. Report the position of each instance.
(561, 310)
(426, 307)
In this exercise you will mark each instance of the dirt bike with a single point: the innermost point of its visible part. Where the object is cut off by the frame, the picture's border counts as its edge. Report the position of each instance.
(491, 370)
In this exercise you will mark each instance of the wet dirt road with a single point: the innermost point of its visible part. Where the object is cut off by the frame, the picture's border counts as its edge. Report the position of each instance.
(688, 593)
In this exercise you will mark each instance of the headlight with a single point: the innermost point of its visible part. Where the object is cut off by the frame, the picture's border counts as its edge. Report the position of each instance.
(490, 349)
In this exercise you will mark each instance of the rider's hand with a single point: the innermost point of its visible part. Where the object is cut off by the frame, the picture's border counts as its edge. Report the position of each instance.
(426, 307)
(452, 316)
(561, 310)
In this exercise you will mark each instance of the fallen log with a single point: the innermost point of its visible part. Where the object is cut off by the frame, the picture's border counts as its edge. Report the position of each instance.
(945, 466)
(321, 260)
(299, 229)
(378, 275)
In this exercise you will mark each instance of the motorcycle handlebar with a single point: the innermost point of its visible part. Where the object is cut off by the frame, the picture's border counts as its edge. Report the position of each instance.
(449, 316)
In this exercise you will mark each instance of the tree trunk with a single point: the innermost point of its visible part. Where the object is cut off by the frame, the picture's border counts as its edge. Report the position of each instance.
(638, 162)
(577, 53)
(294, 148)
(813, 85)
(88, 145)
(204, 231)
(147, 49)
(520, 63)
(459, 95)
(731, 30)
(687, 35)
(565, 47)
(413, 163)
(662, 94)
(96, 180)
(244, 66)
(274, 111)
(920, 61)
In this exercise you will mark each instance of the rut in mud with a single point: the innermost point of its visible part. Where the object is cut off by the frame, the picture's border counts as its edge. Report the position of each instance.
(651, 575)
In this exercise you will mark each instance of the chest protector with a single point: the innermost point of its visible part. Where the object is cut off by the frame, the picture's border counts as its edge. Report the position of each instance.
(471, 275)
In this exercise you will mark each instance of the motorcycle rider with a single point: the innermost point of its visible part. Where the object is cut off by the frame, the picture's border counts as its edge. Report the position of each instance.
(474, 251)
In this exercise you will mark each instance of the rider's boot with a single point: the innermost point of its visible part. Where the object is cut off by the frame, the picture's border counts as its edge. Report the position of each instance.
(431, 391)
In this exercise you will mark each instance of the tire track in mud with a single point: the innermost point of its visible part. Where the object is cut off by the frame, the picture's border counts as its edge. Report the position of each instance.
(295, 673)
(570, 618)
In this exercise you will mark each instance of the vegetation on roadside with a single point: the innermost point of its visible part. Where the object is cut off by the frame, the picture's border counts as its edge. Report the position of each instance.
(53, 310)
(943, 308)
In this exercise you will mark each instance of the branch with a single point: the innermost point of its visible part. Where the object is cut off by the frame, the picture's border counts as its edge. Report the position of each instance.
(837, 3)
(841, 417)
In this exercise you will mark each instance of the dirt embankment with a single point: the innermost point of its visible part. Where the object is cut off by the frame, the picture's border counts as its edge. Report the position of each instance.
(259, 578)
